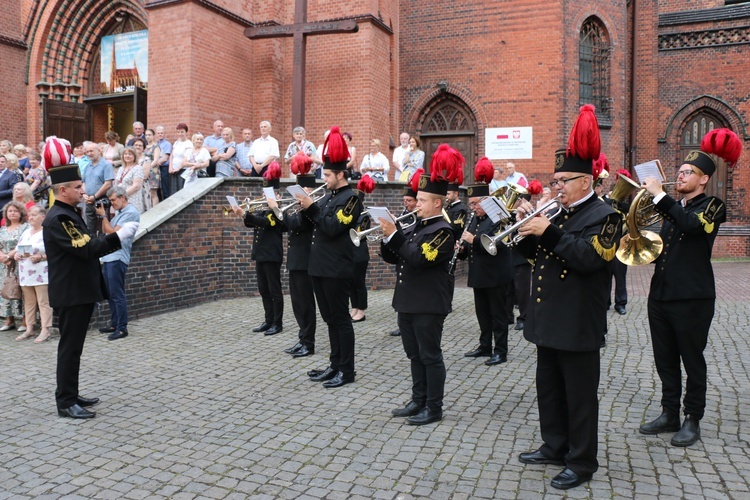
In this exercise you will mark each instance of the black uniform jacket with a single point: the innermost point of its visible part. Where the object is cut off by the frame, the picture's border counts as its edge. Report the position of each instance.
(457, 213)
(299, 240)
(423, 284)
(362, 252)
(683, 269)
(485, 270)
(267, 236)
(332, 252)
(75, 275)
(570, 277)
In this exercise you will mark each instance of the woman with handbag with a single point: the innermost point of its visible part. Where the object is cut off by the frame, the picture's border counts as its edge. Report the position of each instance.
(32, 270)
(12, 307)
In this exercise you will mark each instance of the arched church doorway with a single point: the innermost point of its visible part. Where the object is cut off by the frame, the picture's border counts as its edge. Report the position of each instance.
(447, 119)
(693, 130)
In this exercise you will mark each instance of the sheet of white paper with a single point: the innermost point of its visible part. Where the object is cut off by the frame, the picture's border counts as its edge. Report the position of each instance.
(495, 209)
(377, 213)
(268, 193)
(296, 189)
(649, 169)
(232, 201)
(187, 174)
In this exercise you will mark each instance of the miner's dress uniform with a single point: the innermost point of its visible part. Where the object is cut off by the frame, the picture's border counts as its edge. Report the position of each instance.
(268, 253)
(361, 262)
(75, 285)
(566, 317)
(489, 277)
(682, 297)
(423, 260)
(299, 240)
(458, 214)
(332, 270)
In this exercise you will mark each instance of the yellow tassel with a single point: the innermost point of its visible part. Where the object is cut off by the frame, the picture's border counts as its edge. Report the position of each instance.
(271, 219)
(344, 219)
(81, 242)
(606, 253)
(77, 238)
(707, 226)
(429, 252)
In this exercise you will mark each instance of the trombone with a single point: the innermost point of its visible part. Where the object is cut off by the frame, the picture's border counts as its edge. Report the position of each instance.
(295, 205)
(356, 236)
(490, 243)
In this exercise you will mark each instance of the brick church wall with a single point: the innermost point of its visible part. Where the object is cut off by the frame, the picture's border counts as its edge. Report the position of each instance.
(13, 57)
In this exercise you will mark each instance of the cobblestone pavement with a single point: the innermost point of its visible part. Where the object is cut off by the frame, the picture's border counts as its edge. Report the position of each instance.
(194, 405)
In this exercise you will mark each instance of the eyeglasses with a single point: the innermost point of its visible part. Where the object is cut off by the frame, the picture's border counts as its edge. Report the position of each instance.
(561, 182)
(685, 173)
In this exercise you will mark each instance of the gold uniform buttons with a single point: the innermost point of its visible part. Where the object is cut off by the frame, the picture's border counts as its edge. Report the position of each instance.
(538, 300)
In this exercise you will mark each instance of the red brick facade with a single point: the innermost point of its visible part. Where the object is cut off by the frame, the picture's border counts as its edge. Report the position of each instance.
(501, 64)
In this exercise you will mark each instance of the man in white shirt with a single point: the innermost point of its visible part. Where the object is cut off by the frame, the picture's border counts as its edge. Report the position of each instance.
(265, 149)
(399, 152)
(514, 177)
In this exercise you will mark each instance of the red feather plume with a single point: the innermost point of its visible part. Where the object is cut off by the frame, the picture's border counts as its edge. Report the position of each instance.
(484, 170)
(273, 171)
(447, 164)
(366, 184)
(723, 143)
(414, 181)
(623, 172)
(535, 187)
(335, 146)
(301, 164)
(584, 141)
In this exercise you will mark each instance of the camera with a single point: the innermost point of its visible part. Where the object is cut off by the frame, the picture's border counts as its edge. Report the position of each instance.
(104, 202)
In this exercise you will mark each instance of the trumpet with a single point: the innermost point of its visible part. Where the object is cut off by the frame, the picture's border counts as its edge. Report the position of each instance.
(490, 243)
(251, 205)
(356, 236)
(295, 205)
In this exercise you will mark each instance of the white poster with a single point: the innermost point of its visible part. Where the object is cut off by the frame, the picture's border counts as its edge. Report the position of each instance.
(508, 143)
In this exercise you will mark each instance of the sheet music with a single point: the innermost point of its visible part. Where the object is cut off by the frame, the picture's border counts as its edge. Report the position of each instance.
(232, 201)
(377, 213)
(296, 189)
(269, 194)
(649, 169)
(495, 209)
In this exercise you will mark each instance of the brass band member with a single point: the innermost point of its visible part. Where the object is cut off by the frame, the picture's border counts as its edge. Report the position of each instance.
(423, 260)
(455, 208)
(268, 252)
(568, 308)
(489, 276)
(683, 292)
(365, 186)
(332, 259)
(299, 240)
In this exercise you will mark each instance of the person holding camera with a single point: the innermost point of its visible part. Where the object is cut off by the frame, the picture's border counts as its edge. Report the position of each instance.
(97, 179)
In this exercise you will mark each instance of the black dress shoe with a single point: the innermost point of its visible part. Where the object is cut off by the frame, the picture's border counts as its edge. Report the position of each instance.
(425, 416)
(479, 352)
(603, 343)
(274, 330)
(568, 479)
(315, 372)
(620, 310)
(339, 380)
(409, 410)
(121, 334)
(326, 374)
(294, 348)
(688, 434)
(107, 329)
(303, 351)
(395, 333)
(496, 359)
(520, 325)
(538, 458)
(76, 411)
(263, 327)
(359, 320)
(666, 422)
(87, 401)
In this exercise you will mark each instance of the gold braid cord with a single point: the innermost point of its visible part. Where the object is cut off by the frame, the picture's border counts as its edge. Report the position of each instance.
(271, 219)
(77, 239)
(430, 249)
(605, 243)
(345, 214)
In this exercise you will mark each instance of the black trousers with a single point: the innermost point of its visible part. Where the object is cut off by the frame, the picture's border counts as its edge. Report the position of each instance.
(421, 335)
(359, 286)
(619, 274)
(269, 286)
(73, 322)
(332, 295)
(566, 387)
(679, 331)
(166, 190)
(303, 305)
(522, 285)
(489, 304)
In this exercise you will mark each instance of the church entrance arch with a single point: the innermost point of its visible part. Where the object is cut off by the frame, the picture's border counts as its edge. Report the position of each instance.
(447, 119)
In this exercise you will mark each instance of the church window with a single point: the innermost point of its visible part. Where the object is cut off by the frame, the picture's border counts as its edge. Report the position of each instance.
(594, 54)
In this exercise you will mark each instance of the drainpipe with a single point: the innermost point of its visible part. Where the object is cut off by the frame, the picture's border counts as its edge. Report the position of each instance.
(633, 100)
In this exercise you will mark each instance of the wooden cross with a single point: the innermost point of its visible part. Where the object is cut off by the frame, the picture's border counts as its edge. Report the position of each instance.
(300, 30)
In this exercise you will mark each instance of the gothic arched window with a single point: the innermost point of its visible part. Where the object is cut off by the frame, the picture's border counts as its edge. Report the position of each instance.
(594, 52)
